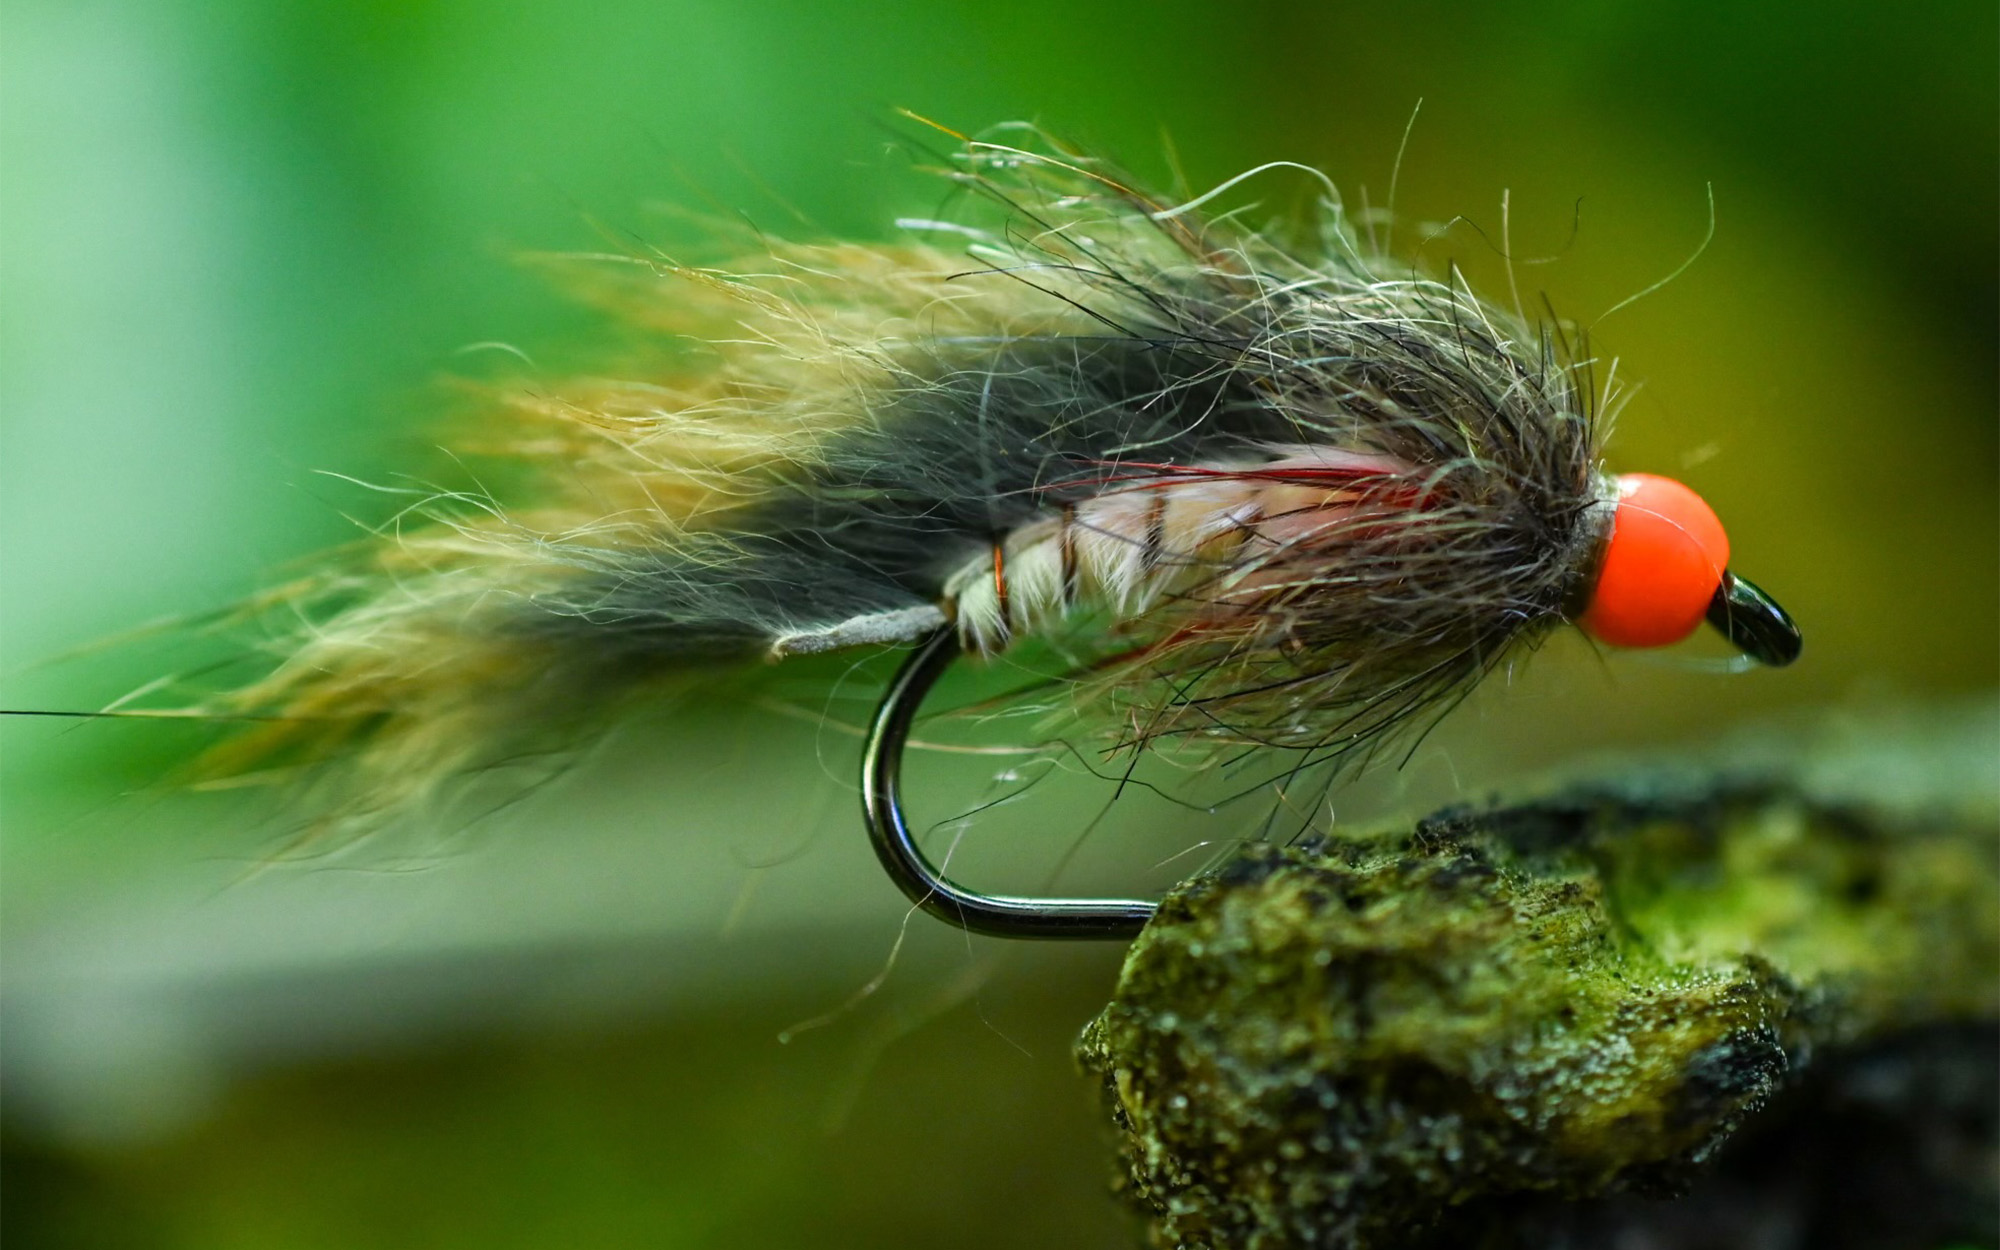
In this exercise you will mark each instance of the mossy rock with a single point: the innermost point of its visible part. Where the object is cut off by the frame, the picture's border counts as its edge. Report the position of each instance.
(1360, 1043)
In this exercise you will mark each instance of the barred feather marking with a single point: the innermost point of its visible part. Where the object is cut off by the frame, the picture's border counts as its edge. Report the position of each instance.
(1203, 532)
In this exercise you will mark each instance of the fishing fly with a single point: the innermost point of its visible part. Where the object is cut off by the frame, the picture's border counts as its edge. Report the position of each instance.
(1277, 490)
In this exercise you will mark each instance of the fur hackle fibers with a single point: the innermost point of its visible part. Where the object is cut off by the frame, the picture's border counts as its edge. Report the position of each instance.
(1295, 492)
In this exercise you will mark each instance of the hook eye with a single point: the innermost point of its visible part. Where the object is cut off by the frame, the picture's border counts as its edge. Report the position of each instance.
(1754, 622)
(997, 915)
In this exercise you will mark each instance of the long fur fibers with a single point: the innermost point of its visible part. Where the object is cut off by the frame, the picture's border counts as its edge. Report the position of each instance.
(861, 425)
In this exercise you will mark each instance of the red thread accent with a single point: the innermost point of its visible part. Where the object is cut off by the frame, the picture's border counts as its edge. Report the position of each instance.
(1377, 485)
(1000, 585)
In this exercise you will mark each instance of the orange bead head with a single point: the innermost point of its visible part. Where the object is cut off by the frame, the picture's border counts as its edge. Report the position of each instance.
(1664, 568)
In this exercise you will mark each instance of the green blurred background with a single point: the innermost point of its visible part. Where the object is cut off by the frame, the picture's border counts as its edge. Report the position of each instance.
(241, 242)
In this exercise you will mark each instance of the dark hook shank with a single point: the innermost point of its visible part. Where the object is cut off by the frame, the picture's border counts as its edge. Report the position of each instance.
(996, 915)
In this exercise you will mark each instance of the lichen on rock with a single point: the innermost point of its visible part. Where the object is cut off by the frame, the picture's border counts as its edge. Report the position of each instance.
(1347, 1042)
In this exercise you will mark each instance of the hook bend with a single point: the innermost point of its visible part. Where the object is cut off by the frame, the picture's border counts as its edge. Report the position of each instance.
(997, 915)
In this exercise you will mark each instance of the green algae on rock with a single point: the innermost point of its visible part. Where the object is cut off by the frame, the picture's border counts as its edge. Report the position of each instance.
(1341, 1044)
